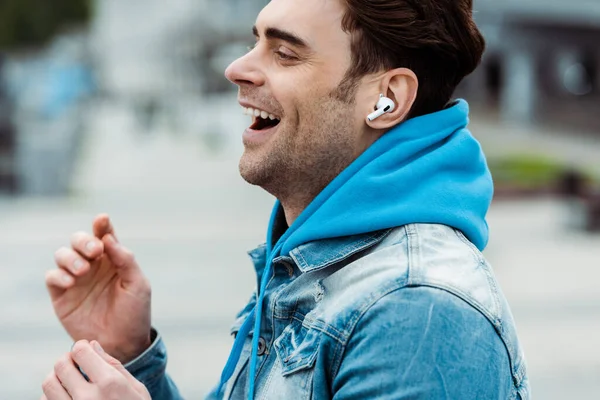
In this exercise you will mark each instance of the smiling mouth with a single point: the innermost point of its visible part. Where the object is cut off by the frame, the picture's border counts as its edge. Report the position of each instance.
(261, 120)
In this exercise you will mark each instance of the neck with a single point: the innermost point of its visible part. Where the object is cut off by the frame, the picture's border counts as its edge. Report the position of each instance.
(298, 194)
(292, 208)
(297, 188)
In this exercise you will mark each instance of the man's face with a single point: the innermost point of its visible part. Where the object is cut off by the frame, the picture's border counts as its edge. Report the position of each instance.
(293, 74)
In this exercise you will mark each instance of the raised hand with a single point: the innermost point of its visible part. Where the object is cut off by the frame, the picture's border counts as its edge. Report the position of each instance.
(99, 292)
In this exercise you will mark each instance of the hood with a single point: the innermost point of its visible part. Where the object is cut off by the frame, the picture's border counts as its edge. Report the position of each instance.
(429, 169)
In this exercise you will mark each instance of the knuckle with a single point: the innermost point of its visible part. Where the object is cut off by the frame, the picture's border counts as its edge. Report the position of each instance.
(110, 384)
(78, 236)
(60, 254)
(48, 387)
(50, 276)
(127, 258)
(146, 285)
(49, 384)
(61, 365)
(139, 387)
(128, 254)
(80, 348)
(114, 363)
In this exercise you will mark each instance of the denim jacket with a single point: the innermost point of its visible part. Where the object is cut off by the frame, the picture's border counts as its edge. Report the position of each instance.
(413, 312)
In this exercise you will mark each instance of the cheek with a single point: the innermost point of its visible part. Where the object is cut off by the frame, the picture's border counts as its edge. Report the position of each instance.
(307, 103)
(301, 86)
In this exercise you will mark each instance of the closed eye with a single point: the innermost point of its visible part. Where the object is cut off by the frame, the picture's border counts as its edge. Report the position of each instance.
(285, 57)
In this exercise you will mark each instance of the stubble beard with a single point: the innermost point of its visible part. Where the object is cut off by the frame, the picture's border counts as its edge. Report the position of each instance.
(298, 163)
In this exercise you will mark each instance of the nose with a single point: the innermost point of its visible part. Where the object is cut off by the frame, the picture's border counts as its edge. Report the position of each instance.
(246, 71)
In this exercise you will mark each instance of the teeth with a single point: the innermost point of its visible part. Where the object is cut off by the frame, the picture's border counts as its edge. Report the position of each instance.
(257, 113)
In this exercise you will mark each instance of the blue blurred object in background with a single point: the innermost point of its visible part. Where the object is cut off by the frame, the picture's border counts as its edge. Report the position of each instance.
(67, 85)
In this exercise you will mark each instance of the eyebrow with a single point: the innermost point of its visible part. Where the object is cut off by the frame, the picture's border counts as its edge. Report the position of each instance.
(275, 33)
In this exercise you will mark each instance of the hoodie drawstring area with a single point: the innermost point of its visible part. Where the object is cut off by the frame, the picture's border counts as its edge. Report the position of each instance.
(253, 321)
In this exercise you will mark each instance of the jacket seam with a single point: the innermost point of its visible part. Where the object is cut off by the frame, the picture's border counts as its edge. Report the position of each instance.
(411, 251)
(482, 262)
(337, 362)
(325, 330)
(474, 251)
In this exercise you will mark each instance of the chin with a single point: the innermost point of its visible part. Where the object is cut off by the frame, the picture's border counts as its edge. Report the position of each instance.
(252, 170)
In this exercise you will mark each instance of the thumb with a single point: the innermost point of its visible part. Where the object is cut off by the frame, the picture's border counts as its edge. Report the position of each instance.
(113, 362)
(123, 259)
(103, 226)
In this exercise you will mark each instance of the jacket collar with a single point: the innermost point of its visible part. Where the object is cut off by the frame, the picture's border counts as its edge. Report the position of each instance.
(320, 254)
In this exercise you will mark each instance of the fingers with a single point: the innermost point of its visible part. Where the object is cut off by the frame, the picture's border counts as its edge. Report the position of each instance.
(87, 245)
(70, 377)
(57, 281)
(71, 264)
(53, 389)
(123, 259)
(95, 367)
(102, 226)
(71, 261)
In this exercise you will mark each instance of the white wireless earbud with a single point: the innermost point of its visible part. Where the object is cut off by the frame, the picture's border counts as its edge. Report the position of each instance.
(384, 105)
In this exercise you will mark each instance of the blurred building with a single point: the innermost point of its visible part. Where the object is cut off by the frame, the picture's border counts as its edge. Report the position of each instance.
(542, 62)
(165, 61)
(146, 48)
(42, 114)
(7, 139)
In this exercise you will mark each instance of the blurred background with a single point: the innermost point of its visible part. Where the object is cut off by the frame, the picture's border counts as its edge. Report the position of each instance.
(121, 107)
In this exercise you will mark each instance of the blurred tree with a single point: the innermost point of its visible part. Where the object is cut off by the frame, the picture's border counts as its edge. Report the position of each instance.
(32, 23)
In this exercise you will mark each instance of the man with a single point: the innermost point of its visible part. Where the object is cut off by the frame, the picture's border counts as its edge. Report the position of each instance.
(371, 283)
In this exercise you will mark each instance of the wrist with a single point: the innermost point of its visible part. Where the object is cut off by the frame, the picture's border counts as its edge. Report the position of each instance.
(130, 351)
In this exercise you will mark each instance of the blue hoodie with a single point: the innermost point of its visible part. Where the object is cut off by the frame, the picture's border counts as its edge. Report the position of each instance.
(428, 169)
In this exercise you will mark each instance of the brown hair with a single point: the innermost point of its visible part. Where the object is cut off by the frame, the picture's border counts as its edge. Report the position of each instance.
(436, 39)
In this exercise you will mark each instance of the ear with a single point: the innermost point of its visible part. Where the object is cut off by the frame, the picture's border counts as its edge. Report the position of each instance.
(400, 85)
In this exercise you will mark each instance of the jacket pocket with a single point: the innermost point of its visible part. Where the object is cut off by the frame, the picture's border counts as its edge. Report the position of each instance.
(297, 348)
(293, 371)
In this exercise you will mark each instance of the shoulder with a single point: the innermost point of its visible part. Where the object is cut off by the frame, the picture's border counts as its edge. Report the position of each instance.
(416, 255)
(442, 257)
(422, 310)
(427, 339)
